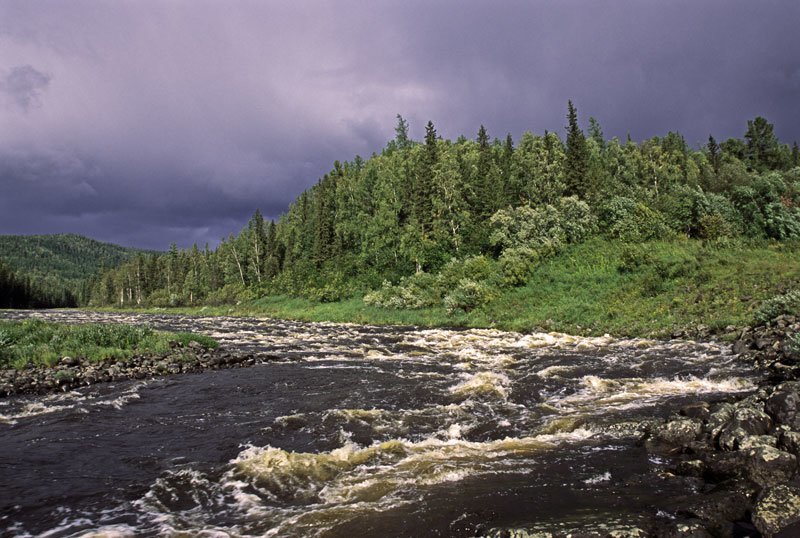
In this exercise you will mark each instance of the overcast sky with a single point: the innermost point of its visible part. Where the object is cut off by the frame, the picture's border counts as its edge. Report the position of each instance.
(144, 122)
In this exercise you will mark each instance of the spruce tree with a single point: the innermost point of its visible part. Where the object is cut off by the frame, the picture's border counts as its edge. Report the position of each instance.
(484, 195)
(401, 133)
(577, 156)
(714, 153)
(795, 154)
(596, 133)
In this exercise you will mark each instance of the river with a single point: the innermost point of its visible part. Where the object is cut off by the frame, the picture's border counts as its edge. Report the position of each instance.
(360, 431)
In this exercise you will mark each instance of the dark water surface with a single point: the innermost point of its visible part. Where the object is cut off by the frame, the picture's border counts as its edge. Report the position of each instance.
(358, 431)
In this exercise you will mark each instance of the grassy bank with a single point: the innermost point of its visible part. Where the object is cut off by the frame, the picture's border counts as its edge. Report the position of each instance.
(42, 343)
(597, 287)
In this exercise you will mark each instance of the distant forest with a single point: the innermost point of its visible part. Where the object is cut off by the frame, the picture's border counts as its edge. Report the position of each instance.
(42, 271)
(450, 222)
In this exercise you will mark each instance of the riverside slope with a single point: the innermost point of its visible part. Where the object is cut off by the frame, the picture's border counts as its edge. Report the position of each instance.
(358, 430)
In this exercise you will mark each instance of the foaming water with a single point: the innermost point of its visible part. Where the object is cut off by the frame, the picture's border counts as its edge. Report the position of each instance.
(358, 431)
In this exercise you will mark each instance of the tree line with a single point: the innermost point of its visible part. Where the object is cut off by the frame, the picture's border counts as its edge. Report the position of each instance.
(19, 291)
(416, 206)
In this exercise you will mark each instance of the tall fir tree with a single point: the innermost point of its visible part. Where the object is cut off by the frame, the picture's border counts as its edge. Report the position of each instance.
(576, 164)
(714, 153)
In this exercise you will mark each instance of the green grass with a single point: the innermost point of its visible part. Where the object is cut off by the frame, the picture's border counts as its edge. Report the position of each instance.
(43, 343)
(597, 287)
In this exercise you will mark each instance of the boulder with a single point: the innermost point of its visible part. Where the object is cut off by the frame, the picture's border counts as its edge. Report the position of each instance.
(699, 410)
(752, 420)
(768, 466)
(777, 508)
(720, 508)
(678, 432)
(790, 442)
(783, 406)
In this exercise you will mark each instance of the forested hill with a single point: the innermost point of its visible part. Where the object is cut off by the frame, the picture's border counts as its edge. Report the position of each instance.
(458, 223)
(54, 269)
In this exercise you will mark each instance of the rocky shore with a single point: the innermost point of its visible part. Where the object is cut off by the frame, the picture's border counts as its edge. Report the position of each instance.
(72, 372)
(741, 455)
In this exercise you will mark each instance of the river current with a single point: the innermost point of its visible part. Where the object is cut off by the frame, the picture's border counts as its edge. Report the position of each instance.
(359, 431)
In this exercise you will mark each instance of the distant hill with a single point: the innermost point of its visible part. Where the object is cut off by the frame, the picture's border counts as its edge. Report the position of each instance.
(61, 261)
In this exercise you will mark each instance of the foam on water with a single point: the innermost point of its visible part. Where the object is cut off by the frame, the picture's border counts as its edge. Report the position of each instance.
(400, 414)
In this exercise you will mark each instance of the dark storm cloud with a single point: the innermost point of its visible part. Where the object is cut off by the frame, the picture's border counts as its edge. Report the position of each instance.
(151, 122)
(24, 85)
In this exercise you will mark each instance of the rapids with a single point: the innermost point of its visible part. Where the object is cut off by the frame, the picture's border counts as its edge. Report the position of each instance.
(359, 431)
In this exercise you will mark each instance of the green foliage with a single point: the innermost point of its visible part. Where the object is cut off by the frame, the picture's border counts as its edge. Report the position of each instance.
(468, 295)
(786, 303)
(546, 229)
(516, 265)
(40, 342)
(498, 210)
(56, 268)
(631, 221)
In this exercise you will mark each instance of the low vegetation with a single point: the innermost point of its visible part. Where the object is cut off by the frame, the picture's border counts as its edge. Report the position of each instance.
(37, 342)
(595, 287)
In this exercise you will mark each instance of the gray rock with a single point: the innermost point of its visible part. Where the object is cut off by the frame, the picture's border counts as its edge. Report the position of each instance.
(768, 466)
(678, 432)
(790, 442)
(699, 410)
(777, 508)
(753, 421)
(719, 418)
(719, 507)
(783, 406)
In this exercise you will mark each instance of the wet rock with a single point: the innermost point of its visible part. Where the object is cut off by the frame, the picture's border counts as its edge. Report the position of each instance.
(756, 441)
(722, 466)
(776, 509)
(731, 438)
(69, 361)
(790, 442)
(719, 508)
(695, 468)
(768, 466)
(751, 420)
(692, 528)
(719, 418)
(678, 432)
(782, 405)
(741, 346)
(699, 411)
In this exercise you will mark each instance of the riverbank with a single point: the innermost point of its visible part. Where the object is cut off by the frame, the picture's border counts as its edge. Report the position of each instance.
(71, 372)
(658, 289)
(742, 454)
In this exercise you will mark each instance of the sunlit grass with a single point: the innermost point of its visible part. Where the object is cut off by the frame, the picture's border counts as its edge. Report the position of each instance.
(42, 343)
(597, 287)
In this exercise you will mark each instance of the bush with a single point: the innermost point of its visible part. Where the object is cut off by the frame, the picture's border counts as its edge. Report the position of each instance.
(631, 221)
(786, 304)
(468, 295)
(516, 265)
(546, 228)
(417, 291)
(476, 268)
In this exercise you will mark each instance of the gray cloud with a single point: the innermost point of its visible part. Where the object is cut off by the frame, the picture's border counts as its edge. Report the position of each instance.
(173, 121)
(23, 85)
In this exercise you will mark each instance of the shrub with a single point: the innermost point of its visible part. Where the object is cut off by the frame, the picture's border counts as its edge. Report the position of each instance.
(476, 268)
(576, 219)
(417, 291)
(786, 304)
(516, 265)
(468, 295)
(546, 228)
(632, 221)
